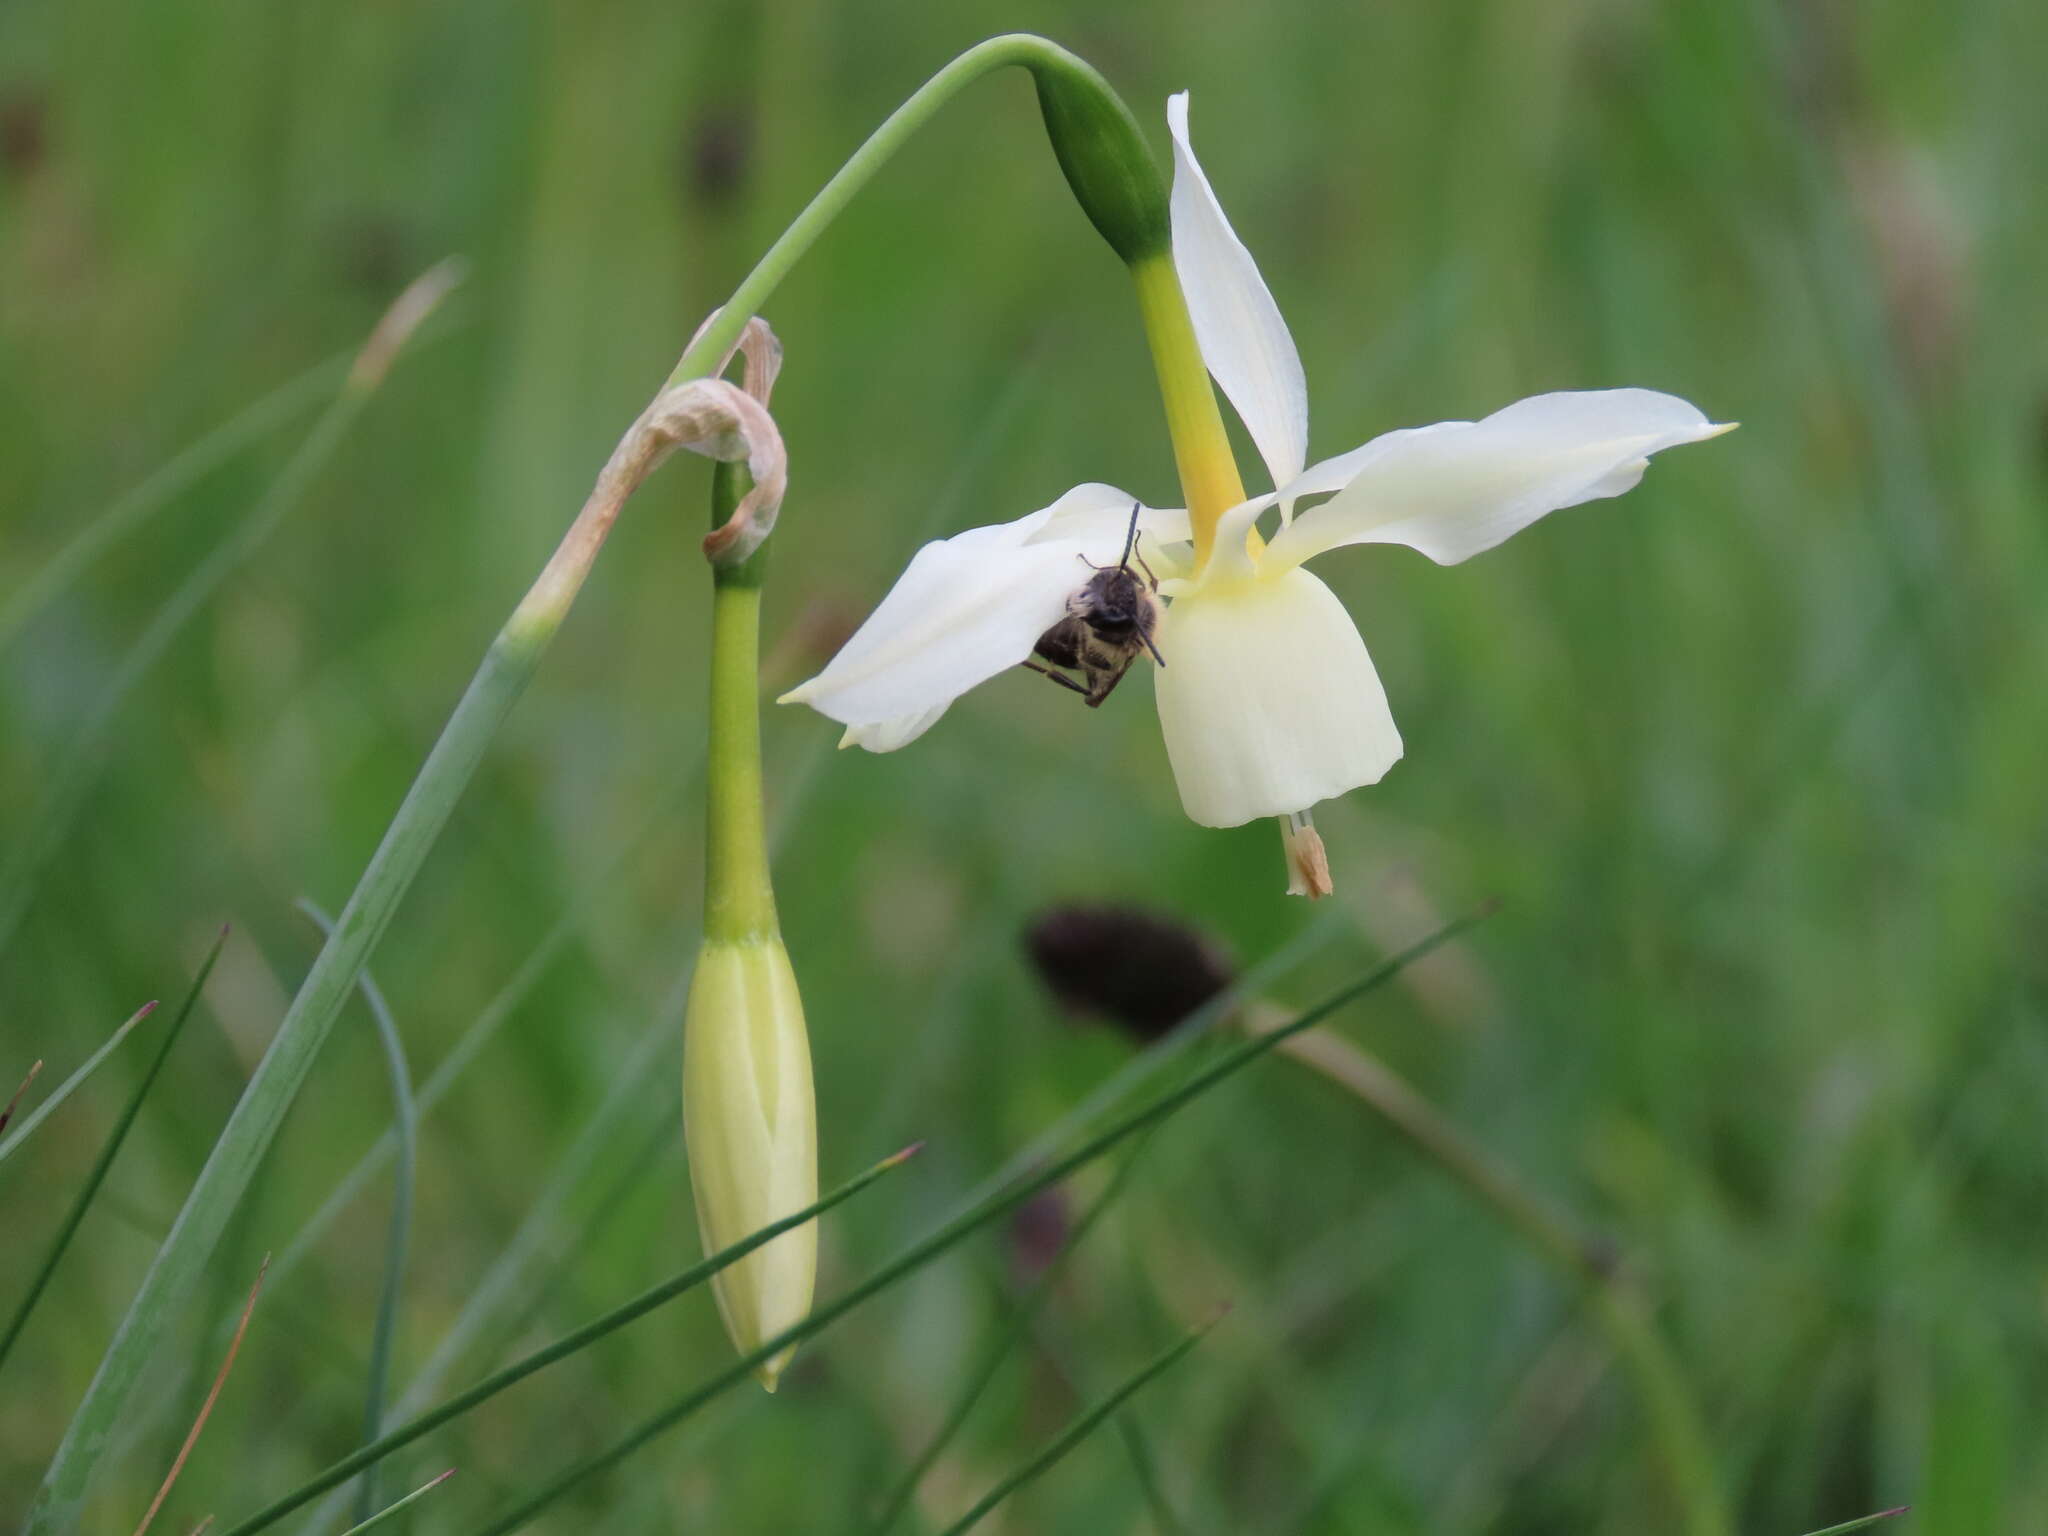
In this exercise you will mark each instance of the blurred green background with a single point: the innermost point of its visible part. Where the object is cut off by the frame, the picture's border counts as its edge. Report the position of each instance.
(1753, 757)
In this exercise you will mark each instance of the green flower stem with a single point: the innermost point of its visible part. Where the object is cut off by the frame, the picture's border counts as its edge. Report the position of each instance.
(739, 902)
(567, 1345)
(1615, 1310)
(1104, 159)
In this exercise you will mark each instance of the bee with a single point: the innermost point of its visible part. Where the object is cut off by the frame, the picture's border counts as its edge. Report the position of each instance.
(1109, 621)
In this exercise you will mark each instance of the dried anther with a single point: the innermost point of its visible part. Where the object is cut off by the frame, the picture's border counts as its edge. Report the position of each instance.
(1124, 966)
(1308, 865)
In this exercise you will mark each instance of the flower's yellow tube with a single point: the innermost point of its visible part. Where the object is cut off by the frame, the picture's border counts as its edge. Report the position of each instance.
(1201, 448)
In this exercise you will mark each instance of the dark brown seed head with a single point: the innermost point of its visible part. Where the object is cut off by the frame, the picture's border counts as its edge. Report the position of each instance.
(1124, 966)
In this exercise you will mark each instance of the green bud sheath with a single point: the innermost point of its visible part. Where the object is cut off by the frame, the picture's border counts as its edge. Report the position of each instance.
(749, 1114)
(1103, 155)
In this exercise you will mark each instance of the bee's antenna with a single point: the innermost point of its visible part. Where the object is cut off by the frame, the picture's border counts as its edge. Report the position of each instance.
(1130, 539)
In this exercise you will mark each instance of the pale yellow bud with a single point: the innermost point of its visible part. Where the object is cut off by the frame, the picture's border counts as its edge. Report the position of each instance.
(751, 1125)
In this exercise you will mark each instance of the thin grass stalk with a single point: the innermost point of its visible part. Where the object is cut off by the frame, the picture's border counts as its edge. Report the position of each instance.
(999, 1347)
(976, 1216)
(35, 1071)
(1666, 1396)
(399, 1232)
(137, 505)
(220, 1380)
(1075, 1433)
(1864, 1524)
(388, 1511)
(1146, 1468)
(562, 1348)
(44, 1110)
(68, 1228)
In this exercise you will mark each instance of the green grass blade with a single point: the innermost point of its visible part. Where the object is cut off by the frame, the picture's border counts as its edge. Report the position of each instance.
(998, 1349)
(1146, 1467)
(288, 1061)
(1074, 1433)
(68, 1228)
(135, 506)
(377, 1519)
(35, 1071)
(976, 1216)
(562, 1348)
(405, 1126)
(65, 1089)
(206, 1405)
(1864, 1524)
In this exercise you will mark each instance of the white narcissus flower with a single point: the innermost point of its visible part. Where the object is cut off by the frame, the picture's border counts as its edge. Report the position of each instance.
(1267, 698)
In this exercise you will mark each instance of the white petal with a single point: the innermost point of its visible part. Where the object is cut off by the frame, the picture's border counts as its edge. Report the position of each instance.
(1230, 557)
(1268, 700)
(965, 609)
(1243, 339)
(889, 735)
(1096, 512)
(1460, 487)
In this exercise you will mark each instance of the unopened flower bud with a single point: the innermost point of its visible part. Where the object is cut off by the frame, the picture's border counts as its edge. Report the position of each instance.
(751, 1126)
(1103, 156)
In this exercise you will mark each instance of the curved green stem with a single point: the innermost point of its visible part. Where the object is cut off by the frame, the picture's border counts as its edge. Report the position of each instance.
(1075, 99)
(404, 1122)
